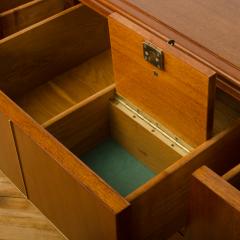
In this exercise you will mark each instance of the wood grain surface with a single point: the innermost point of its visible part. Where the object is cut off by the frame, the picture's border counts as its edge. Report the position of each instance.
(42, 144)
(27, 14)
(7, 188)
(168, 193)
(84, 125)
(214, 208)
(69, 205)
(226, 111)
(233, 176)
(138, 12)
(180, 97)
(68, 89)
(214, 26)
(140, 141)
(49, 48)
(20, 219)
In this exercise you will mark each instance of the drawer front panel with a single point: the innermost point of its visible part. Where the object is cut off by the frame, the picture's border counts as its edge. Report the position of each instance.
(180, 96)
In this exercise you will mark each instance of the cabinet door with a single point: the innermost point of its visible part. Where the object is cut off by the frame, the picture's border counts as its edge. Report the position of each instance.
(9, 161)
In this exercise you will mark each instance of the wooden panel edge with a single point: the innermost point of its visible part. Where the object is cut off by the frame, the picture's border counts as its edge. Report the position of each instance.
(219, 186)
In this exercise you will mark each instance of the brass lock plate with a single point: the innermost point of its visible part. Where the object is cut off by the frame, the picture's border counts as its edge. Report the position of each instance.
(153, 55)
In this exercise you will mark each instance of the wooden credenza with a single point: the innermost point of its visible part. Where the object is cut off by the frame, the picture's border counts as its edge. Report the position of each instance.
(109, 111)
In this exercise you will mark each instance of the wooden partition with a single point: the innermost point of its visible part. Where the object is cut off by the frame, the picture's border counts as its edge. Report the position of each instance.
(29, 13)
(140, 139)
(168, 192)
(9, 4)
(158, 91)
(48, 102)
(214, 208)
(73, 197)
(83, 126)
(233, 176)
(70, 194)
(40, 52)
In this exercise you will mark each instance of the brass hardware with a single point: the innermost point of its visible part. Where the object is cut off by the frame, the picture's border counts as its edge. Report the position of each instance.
(151, 125)
(153, 55)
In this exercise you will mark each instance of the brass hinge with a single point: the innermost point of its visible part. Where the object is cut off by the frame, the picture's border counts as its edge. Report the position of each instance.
(155, 127)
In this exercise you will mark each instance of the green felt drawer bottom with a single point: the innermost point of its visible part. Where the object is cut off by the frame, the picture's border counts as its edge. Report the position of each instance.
(117, 167)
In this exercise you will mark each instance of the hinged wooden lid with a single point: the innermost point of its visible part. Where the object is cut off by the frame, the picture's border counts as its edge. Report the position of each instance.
(180, 96)
(208, 30)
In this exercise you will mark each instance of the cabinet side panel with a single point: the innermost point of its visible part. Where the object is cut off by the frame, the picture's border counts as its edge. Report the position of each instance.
(9, 162)
(70, 206)
(180, 96)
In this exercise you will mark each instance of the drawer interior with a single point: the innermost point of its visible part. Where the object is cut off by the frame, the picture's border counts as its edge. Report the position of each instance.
(117, 144)
(6, 4)
(68, 89)
(28, 13)
(65, 61)
(60, 72)
(113, 142)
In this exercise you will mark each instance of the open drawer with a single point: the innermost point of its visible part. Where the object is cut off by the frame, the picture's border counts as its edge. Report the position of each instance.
(92, 159)
(214, 211)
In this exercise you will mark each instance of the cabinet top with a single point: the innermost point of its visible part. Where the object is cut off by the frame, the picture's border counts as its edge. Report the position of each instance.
(213, 24)
(208, 28)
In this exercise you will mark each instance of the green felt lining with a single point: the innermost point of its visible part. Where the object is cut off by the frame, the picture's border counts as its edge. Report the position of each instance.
(117, 167)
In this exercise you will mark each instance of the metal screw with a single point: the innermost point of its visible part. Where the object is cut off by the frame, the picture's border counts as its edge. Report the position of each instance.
(171, 42)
